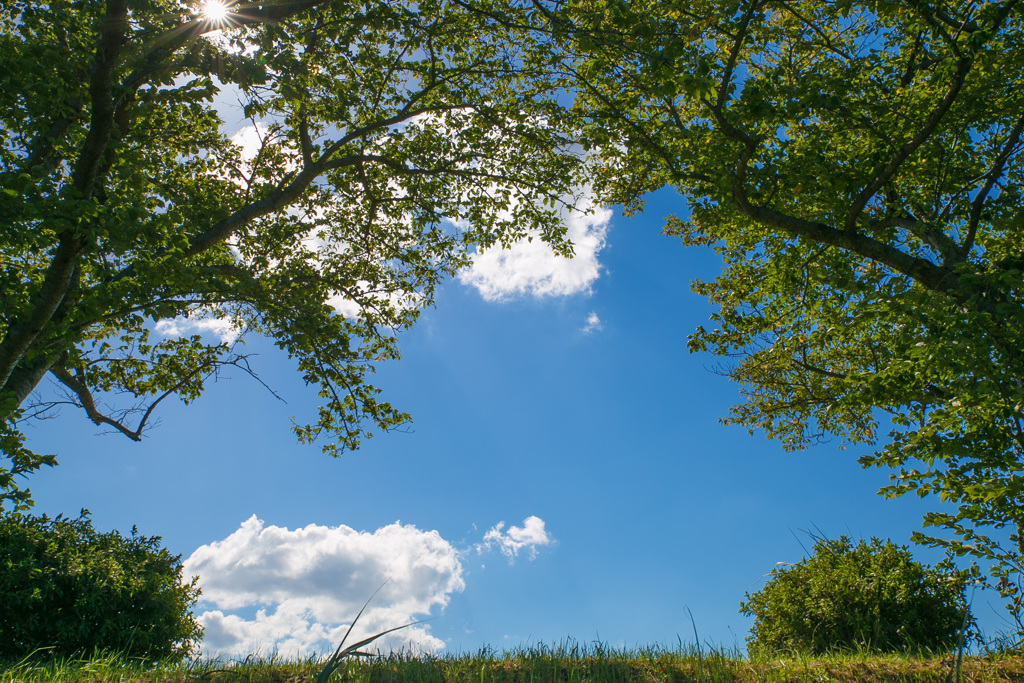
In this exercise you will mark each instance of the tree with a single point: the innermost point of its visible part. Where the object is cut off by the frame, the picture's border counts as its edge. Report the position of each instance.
(858, 167)
(869, 595)
(384, 143)
(67, 589)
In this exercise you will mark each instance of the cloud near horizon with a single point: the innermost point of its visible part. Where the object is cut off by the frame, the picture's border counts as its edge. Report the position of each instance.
(296, 591)
(307, 584)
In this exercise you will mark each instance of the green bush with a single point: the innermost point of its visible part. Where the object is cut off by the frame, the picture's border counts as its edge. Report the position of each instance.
(66, 587)
(869, 596)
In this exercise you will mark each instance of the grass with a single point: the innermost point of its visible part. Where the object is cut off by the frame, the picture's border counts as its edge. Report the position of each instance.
(566, 663)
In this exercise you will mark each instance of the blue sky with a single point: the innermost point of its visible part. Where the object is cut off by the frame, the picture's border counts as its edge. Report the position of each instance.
(561, 479)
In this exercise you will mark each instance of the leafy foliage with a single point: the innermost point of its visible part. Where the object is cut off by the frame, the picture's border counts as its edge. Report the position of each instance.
(864, 596)
(382, 145)
(857, 165)
(66, 588)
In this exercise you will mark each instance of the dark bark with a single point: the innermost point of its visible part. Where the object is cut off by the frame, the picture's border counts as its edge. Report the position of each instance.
(101, 96)
(23, 334)
(76, 383)
(24, 380)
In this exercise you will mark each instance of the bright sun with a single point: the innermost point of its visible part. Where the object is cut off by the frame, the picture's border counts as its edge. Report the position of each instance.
(215, 10)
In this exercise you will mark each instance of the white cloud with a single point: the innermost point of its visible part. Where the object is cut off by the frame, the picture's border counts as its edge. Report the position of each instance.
(531, 267)
(349, 308)
(527, 537)
(309, 583)
(223, 328)
(250, 139)
(594, 324)
(256, 139)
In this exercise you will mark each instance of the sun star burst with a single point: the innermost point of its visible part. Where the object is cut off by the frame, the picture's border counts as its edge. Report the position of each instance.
(215, 10)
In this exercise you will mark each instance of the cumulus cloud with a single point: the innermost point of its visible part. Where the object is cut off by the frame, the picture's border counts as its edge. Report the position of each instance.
(594, 324)
(307, 584)
(527, 538)
(532, 268)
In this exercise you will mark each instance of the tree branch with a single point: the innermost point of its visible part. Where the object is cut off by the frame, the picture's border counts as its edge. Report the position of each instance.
(816, 370)
(76, 383)
(817, 31)
(101, 103)
(283, 196)
(22, 334)
(946, 247)
(990, 180)
(937, 278)
(734, 53)
(909, 147)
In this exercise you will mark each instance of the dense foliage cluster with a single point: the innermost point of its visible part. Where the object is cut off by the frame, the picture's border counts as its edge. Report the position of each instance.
(66, 588)
(373, 148)
(864, 596)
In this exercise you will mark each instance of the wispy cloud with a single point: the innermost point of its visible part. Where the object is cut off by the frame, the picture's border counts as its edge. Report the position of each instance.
(511, 541)
(532, 268)
(594, 324)
(307, 584)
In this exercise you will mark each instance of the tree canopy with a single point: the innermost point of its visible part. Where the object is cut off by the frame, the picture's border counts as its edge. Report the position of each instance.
(858, 167)
(383, 141)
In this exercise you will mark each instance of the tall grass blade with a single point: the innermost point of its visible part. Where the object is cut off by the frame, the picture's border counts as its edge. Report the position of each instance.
(961, 641)
(335, 660)
(696, 640)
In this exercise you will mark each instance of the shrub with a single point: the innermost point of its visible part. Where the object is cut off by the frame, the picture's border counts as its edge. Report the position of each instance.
(871, 596)
(66, 587)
